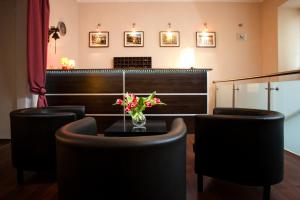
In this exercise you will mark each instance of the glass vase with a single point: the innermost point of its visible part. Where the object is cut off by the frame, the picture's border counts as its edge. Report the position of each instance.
(139, 120)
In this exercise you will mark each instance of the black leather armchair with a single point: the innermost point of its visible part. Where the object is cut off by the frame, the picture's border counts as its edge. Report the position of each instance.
(135, 168)
(33, 136)
(244, 146)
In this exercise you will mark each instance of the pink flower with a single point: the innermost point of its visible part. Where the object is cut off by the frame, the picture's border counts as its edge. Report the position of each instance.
(119, 101)
(133, 104)
(148, 104)
(127, 109)
(157, 100)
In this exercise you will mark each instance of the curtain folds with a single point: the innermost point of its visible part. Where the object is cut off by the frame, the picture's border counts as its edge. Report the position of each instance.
(37, 44)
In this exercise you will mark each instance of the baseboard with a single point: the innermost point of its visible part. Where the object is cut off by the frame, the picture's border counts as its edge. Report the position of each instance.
(293, 154)
(4, 141)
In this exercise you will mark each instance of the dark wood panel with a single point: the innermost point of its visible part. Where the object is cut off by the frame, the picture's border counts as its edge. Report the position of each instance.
(93, 104)
(103, 104)
(137, 81)
(195, 82)
(84, 83)
(180, 104)
(132, 62)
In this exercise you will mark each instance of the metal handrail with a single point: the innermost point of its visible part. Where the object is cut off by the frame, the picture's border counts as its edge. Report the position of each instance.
(269, 89)
(263, 76)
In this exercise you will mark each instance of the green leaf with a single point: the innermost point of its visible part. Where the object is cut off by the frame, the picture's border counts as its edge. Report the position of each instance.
(151, 96)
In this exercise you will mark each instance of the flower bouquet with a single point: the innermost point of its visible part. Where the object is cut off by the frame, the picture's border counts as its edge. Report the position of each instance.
(135, 106)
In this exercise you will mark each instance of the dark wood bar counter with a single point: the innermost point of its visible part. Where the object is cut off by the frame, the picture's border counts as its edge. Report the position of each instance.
(183, 90)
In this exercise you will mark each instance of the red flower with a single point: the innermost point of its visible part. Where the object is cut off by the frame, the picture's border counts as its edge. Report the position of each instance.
(148, 104)
(119, 101)
(157, 100)
(133, 104)
(127, 109)
(134, 100)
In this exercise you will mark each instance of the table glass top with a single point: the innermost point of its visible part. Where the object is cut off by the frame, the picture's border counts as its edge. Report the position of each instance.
(125, 128)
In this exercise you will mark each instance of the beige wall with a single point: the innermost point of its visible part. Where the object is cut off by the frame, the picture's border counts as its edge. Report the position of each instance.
(269, 35)
(22, 88)
(13, 62)
(154, 17)
(288, 38)
(7, 65)
(231, 58)
(67, 46)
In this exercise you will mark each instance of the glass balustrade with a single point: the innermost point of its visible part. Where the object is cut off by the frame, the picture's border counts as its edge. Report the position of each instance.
(224, 95)
(285, 98)
(281, 96)
(252, 95)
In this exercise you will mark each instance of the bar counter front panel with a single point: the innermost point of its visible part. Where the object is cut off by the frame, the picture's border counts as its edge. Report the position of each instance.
(183, 90)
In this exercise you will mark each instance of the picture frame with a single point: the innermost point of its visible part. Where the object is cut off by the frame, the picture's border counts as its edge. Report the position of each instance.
(98, 39)
(206, 39)
(169, 39)
(133, 38)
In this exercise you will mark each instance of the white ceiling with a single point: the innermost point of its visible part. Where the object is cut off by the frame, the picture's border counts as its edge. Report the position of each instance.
(106, 1)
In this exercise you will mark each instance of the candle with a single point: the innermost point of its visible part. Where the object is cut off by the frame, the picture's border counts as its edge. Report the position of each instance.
(64, 62)
(71, 64)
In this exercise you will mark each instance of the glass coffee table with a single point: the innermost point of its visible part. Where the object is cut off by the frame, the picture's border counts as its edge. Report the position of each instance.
(124, 128)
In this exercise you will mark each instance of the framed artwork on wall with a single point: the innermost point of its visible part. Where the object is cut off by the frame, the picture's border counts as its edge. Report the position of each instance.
(169, 39)
(206, 39)
(133, 38)
(98, 39)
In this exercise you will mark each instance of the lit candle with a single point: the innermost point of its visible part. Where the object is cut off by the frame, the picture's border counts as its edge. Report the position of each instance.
(71, 64)
(64, 62)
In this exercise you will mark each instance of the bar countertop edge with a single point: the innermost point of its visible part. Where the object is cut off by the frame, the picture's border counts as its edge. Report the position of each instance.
(169, 70)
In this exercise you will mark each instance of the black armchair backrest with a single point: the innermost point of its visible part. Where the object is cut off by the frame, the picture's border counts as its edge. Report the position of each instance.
(33, 135)
(78, 110)
(141, 167)
(244, 112)
(240, 145)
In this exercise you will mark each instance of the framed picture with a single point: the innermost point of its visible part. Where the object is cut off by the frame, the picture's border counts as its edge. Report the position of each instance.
(98, 39)
(133, 38)
(169, 39)
(206, 39)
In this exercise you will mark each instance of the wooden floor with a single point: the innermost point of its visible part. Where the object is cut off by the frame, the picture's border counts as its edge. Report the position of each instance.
(43, 188)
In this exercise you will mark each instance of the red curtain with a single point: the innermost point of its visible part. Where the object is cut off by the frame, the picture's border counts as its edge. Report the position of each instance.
(37, 42)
